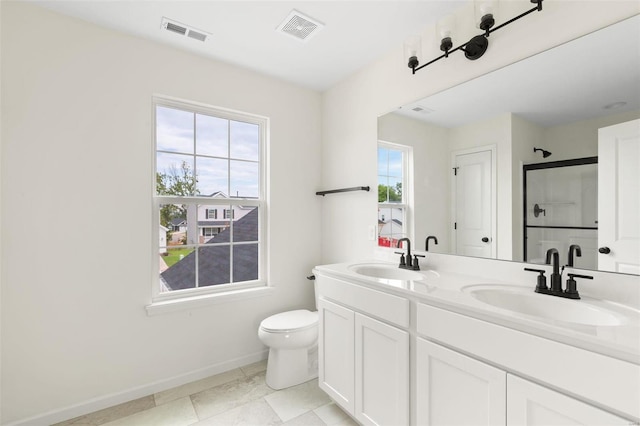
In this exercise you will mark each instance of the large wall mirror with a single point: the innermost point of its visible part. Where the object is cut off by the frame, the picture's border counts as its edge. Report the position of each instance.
(517, 161)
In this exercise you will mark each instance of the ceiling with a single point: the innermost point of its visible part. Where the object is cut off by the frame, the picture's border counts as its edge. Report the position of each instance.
(569, 83)
(243, 33)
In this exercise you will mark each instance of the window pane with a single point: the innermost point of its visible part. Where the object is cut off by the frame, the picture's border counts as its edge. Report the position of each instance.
(178, 271)
(174, 174)
(210, 223)
(212, 136)
(213, 176)
(395, 190)
(383, 189)
(245, 138)
(383, 160)
(245, 262)
(245, 224)
(395, 163)
(213, 265)
(244, 179)
(174, 130)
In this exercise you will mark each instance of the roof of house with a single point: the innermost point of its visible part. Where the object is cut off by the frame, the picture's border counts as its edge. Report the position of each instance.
(178, 221)
(214, 258)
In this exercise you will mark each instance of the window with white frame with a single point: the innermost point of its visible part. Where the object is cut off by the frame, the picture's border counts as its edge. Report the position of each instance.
(206, 159)
(393, 165)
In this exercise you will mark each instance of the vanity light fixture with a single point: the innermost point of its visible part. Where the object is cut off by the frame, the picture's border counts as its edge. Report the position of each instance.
(545, 153)
(474, 48)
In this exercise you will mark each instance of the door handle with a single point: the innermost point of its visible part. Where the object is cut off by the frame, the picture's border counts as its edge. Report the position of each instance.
(485, 239)
(604, 250)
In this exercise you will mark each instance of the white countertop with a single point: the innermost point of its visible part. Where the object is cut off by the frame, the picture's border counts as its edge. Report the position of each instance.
(452, 291)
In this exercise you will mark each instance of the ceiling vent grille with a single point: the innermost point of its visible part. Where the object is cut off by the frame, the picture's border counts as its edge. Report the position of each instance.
(184, 30)
(421, 110)
(299, 26)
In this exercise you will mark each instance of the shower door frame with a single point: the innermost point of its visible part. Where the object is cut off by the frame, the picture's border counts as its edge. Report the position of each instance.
(541, 166)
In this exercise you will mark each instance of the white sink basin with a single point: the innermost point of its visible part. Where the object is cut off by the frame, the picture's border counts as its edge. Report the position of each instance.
(386, 272)
(525, 301)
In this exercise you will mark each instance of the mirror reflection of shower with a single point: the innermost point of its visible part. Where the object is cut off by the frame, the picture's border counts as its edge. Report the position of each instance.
(545, 153)
(561, 209)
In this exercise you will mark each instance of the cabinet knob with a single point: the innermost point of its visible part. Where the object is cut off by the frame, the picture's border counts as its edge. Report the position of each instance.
(485, 239)
(604, 250)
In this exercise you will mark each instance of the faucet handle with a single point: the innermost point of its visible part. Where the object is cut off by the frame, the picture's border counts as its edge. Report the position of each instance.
(416, 265)
(541, 285)
(572, 289)
(402, 260)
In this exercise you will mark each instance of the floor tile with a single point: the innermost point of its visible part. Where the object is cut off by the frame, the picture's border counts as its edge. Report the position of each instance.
(294, 401)
(332, 415)
(255, 368)
(112, 413)
(307, 419)
(175, 413)
(230, 395)
(251, 414)
(197, 386)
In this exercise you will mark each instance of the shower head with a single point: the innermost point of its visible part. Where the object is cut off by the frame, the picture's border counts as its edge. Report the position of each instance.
(545, 153)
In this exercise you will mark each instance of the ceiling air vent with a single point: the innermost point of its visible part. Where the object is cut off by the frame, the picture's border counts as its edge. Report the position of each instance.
(184, 30)
(299, 26)
(422, 110)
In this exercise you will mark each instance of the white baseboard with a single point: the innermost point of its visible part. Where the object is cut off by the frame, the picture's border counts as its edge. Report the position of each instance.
(110, 400)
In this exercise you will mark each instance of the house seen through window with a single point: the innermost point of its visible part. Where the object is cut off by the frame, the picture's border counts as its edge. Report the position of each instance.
(208, 160)
(392, 199)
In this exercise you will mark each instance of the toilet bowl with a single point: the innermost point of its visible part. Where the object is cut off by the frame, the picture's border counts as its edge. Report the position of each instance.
(292, 338)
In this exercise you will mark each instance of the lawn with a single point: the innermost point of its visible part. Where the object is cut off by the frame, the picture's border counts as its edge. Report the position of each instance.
(174, 255)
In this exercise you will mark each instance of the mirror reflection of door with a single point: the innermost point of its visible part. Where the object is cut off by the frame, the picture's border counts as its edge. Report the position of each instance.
(473, 207)
(619, 200)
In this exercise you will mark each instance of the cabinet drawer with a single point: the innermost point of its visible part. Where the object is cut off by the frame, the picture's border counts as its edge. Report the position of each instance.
(390, 308)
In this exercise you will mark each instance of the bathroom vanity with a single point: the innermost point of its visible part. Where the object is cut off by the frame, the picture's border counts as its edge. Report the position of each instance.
(399, 347)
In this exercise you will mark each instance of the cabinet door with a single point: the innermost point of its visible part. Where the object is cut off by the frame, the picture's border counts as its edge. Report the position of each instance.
(531, 404)
(381, 373)
(453, 389)
(336, 353)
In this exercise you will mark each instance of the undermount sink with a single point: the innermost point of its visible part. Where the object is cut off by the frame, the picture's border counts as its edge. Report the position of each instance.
(526, 302)
(386, 272)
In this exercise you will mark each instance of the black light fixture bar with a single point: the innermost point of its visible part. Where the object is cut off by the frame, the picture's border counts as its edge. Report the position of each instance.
(536, 8)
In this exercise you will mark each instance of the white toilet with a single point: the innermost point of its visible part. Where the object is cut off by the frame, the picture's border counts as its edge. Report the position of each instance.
(292, 338)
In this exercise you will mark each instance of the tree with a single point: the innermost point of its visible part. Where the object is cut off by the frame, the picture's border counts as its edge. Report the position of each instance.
(177, 181)
(394, 194)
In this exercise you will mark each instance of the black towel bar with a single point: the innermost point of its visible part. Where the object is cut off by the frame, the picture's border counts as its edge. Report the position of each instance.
(333, 191)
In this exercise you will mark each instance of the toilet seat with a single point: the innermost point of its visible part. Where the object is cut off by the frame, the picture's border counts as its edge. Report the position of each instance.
(290, 321)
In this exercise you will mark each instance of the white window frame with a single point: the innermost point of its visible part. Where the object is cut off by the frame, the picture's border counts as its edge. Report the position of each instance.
(407, 190)
(164, 301)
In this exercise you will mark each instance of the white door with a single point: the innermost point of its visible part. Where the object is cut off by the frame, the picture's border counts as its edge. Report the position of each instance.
(533, 405)
(336, 353)
(382, 373)
(453, 389)
(619, 198)
(473, 204)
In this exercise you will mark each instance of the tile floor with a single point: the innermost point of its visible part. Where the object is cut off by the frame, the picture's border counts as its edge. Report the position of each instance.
(237, 397)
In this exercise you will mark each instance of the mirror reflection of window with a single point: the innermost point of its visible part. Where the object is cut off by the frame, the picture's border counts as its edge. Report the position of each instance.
(392, 200)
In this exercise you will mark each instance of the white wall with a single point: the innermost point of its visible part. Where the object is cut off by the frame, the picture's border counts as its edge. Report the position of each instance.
(431, 198)
(350, 108)
(77, 162)
(580, 139)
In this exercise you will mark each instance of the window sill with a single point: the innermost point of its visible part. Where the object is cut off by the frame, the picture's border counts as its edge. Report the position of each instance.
(168, 306)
